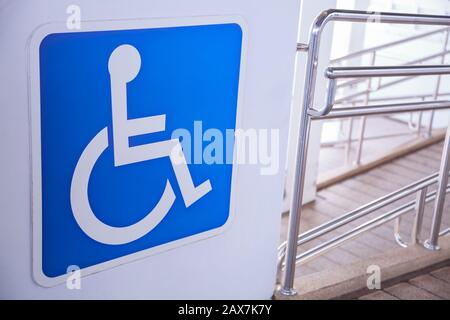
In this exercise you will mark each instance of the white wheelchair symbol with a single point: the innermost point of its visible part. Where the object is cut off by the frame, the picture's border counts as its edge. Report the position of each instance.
(124, 65)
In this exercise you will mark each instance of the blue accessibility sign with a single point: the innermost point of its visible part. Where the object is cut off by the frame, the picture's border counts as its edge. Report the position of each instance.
(110, 182)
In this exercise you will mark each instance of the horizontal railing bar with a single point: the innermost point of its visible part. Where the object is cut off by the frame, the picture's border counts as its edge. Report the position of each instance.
(420, 60)
(391, 83)
(403, 97)
(387, 45)
(335, 73)
(387, 17)
(382, 109)
(339, 240)
(364, 210)
(385, 71)
(444, 232)
(369, 225)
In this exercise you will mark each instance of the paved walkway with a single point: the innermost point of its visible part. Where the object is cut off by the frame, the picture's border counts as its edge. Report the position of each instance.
(434, 285)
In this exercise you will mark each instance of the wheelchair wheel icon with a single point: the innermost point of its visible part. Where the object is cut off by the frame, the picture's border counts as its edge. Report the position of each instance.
(124, 65)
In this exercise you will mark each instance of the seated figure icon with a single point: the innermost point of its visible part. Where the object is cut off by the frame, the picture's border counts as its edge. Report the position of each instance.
(115, 141)
(124, 65)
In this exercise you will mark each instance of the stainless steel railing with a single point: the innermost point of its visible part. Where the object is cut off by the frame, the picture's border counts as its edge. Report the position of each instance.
(288, 251)
(419, 187)
(334, 74)
(352, 91)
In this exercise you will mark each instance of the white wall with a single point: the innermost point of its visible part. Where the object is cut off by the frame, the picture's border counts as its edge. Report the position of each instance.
(241, 263)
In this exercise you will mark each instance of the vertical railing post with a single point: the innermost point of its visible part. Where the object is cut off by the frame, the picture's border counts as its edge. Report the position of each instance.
(418, 218)
(419, 209)
(287, 287)
(419, 122)
(432, 243)
(296, 203)
(348, 144)
(362, 128)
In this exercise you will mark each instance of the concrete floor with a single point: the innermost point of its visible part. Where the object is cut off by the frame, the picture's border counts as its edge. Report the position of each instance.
(433, 285)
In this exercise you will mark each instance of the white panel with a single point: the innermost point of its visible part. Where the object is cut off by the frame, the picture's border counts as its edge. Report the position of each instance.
(240, 263)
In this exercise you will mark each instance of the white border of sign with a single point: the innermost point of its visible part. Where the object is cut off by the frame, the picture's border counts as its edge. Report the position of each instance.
(35, 132)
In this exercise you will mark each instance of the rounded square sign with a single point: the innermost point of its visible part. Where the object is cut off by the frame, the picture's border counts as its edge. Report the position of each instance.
(110, 182)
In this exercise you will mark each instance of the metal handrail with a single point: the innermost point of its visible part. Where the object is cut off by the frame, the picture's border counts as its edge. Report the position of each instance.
(349, 139)
(444, 232)
(363, 210)
(307, 115)
(403, 97)
(380, 109)
(420, 187)
(385, 71)
(369, 225)
(385, 85)
(336, 73)
(367, 209)
(417, 61)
